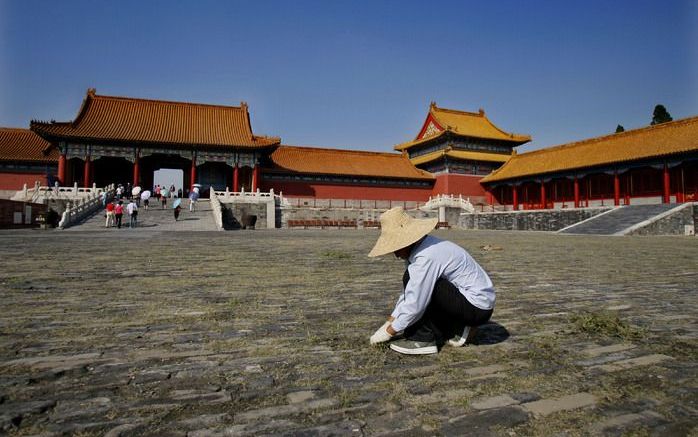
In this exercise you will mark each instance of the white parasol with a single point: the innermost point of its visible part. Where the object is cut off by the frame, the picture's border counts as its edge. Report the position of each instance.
(136, 190)
(145, 195)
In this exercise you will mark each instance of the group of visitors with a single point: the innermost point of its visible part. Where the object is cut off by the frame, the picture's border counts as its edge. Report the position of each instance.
(114, 212)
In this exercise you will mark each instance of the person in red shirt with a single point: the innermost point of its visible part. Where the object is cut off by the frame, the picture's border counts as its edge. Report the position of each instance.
(119, 212)
(109, 215)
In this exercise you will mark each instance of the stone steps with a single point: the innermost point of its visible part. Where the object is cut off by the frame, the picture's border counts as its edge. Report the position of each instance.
(618, 219)
(155, 218)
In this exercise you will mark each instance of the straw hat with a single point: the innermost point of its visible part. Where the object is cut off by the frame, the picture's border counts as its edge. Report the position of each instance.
(399, 230)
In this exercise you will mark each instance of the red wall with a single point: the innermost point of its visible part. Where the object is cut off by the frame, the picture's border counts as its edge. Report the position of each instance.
(332, 191)
(15, 181)
(465, 185)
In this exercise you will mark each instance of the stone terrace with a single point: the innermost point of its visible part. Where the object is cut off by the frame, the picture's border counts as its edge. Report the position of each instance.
(266, 332)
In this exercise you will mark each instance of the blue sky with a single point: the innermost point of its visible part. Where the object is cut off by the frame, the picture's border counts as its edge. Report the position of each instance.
(359, 74)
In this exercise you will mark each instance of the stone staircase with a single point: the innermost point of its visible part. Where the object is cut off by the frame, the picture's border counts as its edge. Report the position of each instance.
(157, 219)
(617, 220)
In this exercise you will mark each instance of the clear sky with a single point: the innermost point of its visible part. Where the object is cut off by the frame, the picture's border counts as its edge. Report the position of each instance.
(360, 74)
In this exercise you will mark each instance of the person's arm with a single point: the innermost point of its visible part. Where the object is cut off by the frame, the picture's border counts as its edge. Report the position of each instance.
(423, 276)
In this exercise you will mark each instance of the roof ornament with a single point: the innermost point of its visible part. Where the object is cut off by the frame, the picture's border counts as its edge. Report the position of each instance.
(432, 104)
(91, 91)
(481, 111)
(243, 105)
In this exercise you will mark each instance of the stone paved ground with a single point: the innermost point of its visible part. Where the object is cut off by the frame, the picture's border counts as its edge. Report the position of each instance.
(266, 332)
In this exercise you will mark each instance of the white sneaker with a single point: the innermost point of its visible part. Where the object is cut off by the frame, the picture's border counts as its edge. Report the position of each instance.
(467, 337)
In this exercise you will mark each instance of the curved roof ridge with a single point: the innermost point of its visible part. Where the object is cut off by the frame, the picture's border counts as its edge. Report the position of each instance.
(456, 111)
(243, 105)
(481, 114)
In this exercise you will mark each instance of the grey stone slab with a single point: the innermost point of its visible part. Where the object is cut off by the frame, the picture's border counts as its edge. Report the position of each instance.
(482, 424)
(180, 326)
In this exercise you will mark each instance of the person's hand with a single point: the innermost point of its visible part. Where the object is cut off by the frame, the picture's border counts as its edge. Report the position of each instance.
(381, 335)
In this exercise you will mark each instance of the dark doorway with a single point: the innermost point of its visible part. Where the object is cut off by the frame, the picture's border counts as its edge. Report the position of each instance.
(108, 170)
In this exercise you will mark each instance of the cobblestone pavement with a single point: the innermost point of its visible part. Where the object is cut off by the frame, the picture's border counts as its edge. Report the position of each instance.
(266, 332)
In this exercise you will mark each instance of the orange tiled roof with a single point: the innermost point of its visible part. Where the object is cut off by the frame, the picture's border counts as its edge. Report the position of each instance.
(467, 124)
(460, 154)
(132, 120)
(346, 162)
(24, 145)
(649, 142)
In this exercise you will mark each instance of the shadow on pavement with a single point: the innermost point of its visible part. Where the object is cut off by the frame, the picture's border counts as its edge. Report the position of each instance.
(191, 218)
(490, 333)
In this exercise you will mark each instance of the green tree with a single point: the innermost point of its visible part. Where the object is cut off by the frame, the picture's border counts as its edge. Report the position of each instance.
(661, 115)
(620, 128)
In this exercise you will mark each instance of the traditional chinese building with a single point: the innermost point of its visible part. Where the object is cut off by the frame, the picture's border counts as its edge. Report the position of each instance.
(459, 148)
(345, 174)
(25, 158)
(649, 165)
(119, 139)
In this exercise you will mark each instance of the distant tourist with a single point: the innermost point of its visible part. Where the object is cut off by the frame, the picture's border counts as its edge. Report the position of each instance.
(157, 191)
(163, 199)
(119, 192)
(145, 203)
(109, 215)
(172, 190)
(179, 193)
(118, 213)
(446, 293)
(132, 213)
(177, 209)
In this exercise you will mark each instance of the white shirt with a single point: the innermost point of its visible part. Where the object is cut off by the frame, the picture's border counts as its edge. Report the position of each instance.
(131, 207)
(431, 260)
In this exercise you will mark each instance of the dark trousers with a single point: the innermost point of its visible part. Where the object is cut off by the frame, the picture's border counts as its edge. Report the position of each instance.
(118, 220)
(447, 314)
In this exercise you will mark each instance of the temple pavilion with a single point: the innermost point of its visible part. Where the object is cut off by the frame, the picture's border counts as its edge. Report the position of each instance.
(125, 140)
(654, 164)
(459, 148)
(112, 137)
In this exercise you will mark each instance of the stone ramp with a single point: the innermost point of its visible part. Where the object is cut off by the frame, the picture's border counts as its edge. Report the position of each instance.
(617, 219)
(155, 218)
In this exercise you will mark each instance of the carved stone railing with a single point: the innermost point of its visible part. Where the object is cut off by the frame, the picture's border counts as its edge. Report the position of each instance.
(216, 209)
(270, 199)
(447, 201)
(39, 193)
(84, 207)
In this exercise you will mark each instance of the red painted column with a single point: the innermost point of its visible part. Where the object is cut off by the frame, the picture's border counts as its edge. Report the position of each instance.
(616, 189)
(490, 198)
(515, 195)
(86, 173)
(667, 194)
(255, 178)
(627, 184)
(193, 172)
(679, 186)
(236, 178)
(543, 201)
(136, 172)
(576, 192)
(61, 169)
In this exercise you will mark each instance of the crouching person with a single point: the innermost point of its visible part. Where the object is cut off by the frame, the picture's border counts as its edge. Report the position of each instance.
(446, 294)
